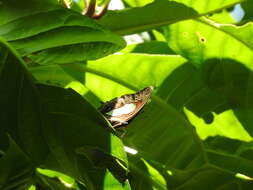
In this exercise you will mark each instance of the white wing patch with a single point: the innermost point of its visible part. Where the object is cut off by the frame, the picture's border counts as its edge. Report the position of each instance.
(126, 109)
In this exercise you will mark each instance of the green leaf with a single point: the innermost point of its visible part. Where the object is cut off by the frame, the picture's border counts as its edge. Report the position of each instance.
(163, 13)
(117, 72)
(139, 19)
(22, 112)
(139, 175)
(52, 179)
(9, 13)
(86, 125)
(50, 123)
(110, 183)
(237, 153)
(160, 133)
(155, 175)
(16, 169)
(225, 72)
(202, 39)
(209, 177)
(45, 182)
(225, 124)
(150, 47)
(67, 76)
(202, 77)
(67, 38)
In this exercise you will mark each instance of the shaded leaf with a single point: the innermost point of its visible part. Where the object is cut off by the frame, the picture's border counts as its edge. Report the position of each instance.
(50, 123)
(16, 169)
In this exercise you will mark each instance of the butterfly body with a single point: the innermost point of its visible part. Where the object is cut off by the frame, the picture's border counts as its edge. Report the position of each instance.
(120, 110)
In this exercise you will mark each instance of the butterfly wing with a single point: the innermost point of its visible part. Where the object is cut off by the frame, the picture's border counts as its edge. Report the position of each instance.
(120, 110)
(124, 118)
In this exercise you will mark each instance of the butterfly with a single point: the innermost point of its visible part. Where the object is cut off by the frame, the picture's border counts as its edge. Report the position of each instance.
(122, 109)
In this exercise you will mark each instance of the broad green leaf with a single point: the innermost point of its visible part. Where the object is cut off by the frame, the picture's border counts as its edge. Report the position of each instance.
(9, 13)
(240, 33)
(147, 174)
(151, 70)
(22, 112)
(202, 39)
(151, 47)
(225, 124)
(161, 133)
(62, 18)
(62, 180)
(207, 85)
(67, 76)
(69, 37)
(228, 154)
(51, 173)
(65, 141)
(178, 83)
(244, 116)
(110, 183)
(183, 87)
(155, 175)
(51, 75)
(114, 71)
(139, 175)
(237, 154)
(50, 123)
(45, 182)
(208, 177)
(139, 19)
(16, 169)
(224, 53)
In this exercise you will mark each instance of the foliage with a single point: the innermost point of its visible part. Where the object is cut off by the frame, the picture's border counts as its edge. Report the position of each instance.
(57, 65)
